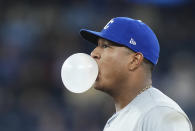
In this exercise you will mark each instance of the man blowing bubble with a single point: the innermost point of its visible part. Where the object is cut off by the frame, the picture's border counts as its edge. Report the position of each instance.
(127, 52)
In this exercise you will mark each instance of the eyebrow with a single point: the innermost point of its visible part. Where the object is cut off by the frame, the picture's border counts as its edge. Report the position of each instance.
(110, 43)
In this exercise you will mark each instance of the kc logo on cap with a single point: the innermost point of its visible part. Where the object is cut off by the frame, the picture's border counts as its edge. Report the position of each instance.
(107, 25)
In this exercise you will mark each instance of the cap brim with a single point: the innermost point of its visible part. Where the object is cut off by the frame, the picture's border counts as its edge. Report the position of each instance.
(91, 36)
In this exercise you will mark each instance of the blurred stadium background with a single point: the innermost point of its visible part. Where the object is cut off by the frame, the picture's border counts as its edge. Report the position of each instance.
(37, 36)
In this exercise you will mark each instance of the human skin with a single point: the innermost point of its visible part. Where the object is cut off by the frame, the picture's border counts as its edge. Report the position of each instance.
(121, 72)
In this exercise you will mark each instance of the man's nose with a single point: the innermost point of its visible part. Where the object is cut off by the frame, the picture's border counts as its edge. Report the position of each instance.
(95, 53)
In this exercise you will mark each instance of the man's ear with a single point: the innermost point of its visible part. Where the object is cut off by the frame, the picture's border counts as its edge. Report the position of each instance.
(135, 61)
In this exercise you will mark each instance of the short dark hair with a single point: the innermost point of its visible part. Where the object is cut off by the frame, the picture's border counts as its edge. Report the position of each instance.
(146, 62)
(149, 64)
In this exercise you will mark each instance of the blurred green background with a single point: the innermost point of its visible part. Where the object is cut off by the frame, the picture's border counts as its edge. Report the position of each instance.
(37, 36)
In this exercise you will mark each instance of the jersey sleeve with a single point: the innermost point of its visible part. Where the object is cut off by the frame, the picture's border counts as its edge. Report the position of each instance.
(165, 119)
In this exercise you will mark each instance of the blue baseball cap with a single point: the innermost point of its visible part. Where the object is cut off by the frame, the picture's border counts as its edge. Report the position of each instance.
(130, 33)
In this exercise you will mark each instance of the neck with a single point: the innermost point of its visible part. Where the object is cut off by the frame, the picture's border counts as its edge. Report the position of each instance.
(123, 97)
(122, 101)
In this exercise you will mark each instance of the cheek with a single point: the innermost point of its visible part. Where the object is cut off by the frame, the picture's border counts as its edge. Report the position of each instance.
(112, 70)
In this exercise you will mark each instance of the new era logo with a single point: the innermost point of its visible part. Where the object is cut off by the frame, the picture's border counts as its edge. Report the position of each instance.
(132, 41)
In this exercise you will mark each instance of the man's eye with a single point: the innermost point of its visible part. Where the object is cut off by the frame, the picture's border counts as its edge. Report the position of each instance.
(104, 46)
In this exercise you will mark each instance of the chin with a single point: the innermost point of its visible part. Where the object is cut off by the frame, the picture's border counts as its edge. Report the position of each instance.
(100, 87)
(96, 85)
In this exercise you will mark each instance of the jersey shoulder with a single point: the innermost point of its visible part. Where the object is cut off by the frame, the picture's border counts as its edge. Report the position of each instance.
(162, 118)
(157, 98)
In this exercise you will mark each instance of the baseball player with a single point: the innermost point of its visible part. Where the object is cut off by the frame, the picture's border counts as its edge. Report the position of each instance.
(127, 51)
